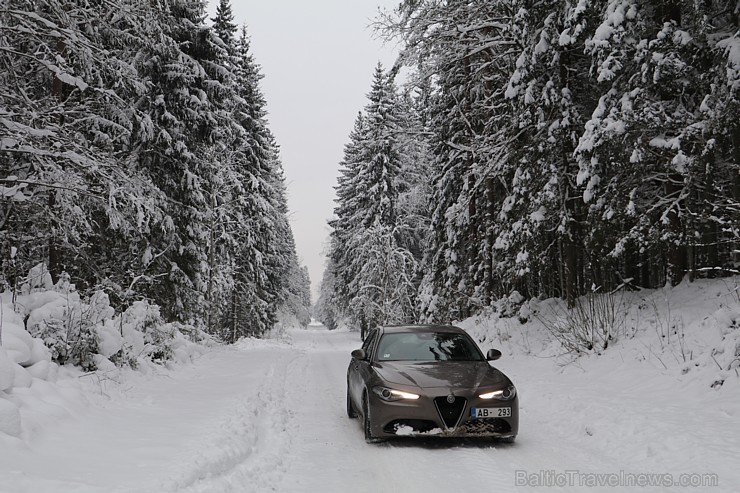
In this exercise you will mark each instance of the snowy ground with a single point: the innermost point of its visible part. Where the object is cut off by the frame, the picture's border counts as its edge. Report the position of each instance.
(269, 416)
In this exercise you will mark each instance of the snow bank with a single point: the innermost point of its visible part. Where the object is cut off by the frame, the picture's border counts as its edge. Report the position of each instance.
(10, 418)
(691, 331)
(46, 327)
(23, 359)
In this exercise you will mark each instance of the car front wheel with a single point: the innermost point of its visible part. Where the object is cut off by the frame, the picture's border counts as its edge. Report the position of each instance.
(369, 438)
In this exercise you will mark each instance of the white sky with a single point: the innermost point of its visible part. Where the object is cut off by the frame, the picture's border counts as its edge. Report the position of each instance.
(317, 58)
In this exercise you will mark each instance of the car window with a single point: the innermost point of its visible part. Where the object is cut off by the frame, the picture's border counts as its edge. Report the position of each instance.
(427, 346)
(369, 340)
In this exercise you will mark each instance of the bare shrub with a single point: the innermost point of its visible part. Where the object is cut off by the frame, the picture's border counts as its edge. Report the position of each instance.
(596, 320)
(671, 331)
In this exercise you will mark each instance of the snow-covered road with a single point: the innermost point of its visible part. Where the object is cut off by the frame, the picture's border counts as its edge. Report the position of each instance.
(269, 416)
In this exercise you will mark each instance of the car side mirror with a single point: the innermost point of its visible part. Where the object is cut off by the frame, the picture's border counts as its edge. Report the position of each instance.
(359, 354)
(493, 354)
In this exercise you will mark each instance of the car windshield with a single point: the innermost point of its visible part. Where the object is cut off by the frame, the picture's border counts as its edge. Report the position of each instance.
(427, 346)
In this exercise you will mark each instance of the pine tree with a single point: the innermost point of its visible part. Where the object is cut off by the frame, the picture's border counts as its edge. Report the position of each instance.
(328, 303)
(223, 23)
(550, 71)
(265, 264)
(139, 153)
(343, 227)
(68, 178)
(373, 273)
(464, 47)
(575, 145)
(414, 184)
(379, 163)
(657, 154)
(185, 110)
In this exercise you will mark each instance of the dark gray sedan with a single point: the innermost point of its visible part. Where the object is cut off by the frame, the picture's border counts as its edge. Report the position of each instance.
(429, 380)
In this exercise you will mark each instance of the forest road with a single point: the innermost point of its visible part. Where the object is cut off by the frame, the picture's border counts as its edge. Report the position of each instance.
(266, 416)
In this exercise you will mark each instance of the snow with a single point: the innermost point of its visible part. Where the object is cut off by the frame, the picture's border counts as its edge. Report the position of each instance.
(565, 38)
(588, 193)
(731, 47)
(666, 143)
(681, 37)
(542, 46)
(407, 431)
(612, 23)
(6, 370)
(539, 215)
(679, 162)
(268, 415)
(10, 419)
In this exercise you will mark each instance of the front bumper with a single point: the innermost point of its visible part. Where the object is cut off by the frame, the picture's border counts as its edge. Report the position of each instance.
(423, 417)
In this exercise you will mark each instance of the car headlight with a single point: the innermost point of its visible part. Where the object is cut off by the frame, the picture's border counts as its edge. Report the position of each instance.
(393, 395)
(504, 394)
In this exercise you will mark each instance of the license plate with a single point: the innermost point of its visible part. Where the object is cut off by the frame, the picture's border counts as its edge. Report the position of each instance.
(490, 412)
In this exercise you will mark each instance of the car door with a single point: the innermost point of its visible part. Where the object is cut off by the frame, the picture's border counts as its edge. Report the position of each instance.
(359, 368)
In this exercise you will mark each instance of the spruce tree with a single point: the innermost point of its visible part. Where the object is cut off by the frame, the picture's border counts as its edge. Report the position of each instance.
(185, 66)
(656, 156)
(574, 145)
(223, 23)
(373, 273)
(68, 178)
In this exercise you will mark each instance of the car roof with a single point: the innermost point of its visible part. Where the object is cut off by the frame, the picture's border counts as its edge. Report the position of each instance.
(389, 329)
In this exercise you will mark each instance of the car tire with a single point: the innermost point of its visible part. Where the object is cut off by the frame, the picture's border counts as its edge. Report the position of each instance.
(351, 413)
(506, 439)
(369, 438)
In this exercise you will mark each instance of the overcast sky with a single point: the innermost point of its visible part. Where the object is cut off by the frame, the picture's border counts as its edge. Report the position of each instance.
(317, 58)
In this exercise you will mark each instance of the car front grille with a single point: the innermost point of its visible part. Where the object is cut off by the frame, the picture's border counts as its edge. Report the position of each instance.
(450, 412)
(486, 426)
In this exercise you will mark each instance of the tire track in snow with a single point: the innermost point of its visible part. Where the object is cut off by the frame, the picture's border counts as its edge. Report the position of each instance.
(244, 452)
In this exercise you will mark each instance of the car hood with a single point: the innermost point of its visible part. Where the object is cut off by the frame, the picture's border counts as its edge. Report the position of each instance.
(447, 374)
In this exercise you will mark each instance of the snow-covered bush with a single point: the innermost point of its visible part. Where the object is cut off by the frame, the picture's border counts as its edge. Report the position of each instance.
(84, 333)
(509, 306)
(283, 321)
(56, 316)
(157, 336)
(140, 334)
(68, 332)
(67, 325)
(726, 354)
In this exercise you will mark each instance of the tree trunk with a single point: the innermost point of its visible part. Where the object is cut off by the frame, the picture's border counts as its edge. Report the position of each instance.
(734, 244)
(54, 260)
(488, 256)
(561, 268)
(211, 251)
(571, 269)
(677, 255)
